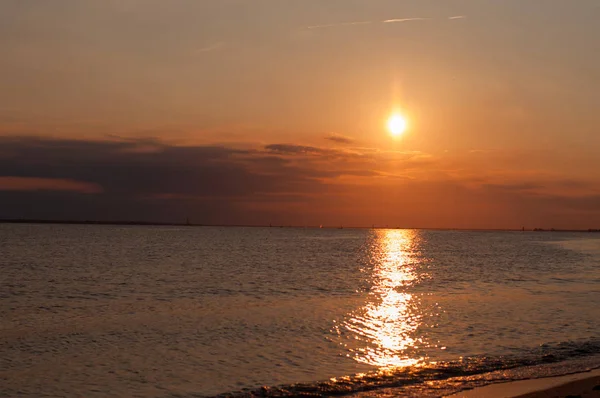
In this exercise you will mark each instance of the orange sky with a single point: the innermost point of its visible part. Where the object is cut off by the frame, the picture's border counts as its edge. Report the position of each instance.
(244, 111)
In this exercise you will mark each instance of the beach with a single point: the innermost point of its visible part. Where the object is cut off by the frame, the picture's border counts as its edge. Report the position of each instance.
(582, 385)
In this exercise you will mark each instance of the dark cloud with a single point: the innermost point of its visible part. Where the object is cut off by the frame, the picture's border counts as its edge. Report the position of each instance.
(149, 180)
(144, 179)
(129, 168)
(340, 139)
(46, 184)
(111, 207)
(291, 149)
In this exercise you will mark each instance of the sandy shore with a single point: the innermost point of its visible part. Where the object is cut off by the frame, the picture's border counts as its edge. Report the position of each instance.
(580, 385)
(586, 388)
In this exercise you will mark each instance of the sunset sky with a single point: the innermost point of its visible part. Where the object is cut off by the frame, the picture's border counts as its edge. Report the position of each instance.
(275, 111)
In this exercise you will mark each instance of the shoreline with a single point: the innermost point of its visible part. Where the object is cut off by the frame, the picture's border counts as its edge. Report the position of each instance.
(584, 385)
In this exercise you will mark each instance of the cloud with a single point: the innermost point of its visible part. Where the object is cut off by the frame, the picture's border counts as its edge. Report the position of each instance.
(340, 139)
(289, 183)
(148, 168)
(108, 180)
(293, 149)
(405, 20)
(386, 21)
(122, 168)
(47, 184)
(149, 180)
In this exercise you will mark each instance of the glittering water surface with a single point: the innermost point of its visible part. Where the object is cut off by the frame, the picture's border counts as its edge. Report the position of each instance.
(158, 311)
(385, 327)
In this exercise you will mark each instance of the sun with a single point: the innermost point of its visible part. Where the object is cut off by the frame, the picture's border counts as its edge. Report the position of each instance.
(397, 125)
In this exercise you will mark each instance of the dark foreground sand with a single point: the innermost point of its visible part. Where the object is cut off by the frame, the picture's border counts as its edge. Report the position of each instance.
(580, 385)
(586, 388)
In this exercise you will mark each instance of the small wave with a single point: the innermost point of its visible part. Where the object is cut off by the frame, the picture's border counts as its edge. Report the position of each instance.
(442, 378)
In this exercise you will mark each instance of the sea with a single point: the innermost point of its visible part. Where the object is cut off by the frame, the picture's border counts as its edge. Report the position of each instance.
(158, 311)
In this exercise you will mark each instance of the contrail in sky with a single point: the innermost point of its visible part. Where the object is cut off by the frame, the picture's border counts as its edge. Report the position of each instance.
(404, 20)
(395, 20)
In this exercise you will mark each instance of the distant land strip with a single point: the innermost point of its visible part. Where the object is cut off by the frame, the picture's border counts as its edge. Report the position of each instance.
(175, 224)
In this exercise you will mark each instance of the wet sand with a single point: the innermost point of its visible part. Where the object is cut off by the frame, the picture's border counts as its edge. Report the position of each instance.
(586, 388)
(580, 385)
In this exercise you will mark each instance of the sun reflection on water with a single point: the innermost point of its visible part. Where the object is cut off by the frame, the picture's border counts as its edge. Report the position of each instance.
(385, 328)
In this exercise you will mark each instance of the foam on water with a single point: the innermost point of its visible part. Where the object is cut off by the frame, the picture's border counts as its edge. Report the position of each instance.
(445, 378)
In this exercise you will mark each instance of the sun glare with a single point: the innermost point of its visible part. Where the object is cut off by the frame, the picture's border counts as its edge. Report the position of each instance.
(397, 125)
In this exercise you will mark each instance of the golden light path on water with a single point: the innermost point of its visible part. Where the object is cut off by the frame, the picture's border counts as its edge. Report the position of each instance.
(384, 329)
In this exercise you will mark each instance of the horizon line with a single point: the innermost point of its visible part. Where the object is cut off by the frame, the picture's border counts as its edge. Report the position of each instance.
(181, 224)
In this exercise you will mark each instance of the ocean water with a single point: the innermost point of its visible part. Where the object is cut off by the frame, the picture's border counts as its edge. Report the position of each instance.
(188, 311)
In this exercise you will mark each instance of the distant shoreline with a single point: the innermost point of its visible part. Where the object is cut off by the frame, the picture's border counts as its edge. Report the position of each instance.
(173, 224)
